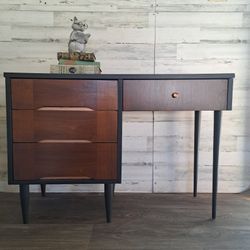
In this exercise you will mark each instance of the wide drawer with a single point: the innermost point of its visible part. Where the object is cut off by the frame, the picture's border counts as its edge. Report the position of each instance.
(175, 94)
(64, 124)
(48, 161)
(37, 93)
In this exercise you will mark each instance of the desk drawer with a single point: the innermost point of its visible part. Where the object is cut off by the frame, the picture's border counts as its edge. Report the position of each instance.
(37, 125)
(37, 93)
(175, 94)
(34, 161)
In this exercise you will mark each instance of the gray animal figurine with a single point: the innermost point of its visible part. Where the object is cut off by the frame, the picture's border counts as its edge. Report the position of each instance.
(78, 39)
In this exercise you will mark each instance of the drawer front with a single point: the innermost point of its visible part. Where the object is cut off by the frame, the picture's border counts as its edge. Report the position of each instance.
(37, 93)
(42, 125)
(48, 161)
(175, 94)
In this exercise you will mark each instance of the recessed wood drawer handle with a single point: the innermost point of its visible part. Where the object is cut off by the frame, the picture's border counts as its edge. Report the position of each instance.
(65, 178)
(175, 94)
(65, 109)
(64, 141)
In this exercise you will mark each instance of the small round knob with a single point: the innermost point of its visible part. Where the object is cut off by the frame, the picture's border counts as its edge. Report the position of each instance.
(175, 94)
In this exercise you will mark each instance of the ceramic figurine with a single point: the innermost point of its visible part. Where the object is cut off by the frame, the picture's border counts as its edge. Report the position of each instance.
(78, 39)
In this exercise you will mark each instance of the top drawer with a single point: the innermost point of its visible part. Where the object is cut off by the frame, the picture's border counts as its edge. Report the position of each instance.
(37, 93)
(176, 94)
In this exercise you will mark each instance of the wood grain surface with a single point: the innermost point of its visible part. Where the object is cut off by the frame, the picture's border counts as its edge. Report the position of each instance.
(37, 93)
(140, 221)
(191, 95)
(33, 161)
(36, 125)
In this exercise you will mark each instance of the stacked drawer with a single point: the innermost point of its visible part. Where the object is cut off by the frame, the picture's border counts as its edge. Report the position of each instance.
(64, 129)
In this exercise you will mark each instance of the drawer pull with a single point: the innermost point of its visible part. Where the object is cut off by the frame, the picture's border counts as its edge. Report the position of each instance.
(175, 94)
(64, 141)
(65, 109)
(66, 178)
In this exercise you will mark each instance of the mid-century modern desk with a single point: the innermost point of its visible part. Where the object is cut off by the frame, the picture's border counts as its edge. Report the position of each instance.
(66, 129)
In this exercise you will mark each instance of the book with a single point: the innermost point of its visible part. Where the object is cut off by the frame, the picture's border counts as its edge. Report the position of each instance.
(75, 69)
(76, 62)
(76, 56)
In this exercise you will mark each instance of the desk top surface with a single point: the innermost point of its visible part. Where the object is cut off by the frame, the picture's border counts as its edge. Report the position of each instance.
(119, 76)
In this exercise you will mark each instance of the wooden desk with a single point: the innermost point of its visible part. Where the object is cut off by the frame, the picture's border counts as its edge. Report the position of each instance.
(66, 129)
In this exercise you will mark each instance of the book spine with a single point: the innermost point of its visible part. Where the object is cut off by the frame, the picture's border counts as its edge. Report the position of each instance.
(76, 56)
(75, 69)
(76, 62)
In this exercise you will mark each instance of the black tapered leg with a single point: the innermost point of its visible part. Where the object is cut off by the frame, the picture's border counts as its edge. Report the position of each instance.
(108, 201)
(217, 128)
(24, 197)
(113, 186)
(43, 189)
(197, 121)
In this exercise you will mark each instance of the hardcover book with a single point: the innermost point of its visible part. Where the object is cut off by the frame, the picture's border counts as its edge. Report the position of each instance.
(76, 56)
(76, 62)
(75, 69)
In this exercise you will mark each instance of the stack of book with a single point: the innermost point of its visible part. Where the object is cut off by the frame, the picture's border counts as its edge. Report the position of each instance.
(76, 63)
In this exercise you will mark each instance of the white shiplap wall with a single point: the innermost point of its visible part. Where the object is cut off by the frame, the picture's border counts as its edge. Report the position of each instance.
(145, 36)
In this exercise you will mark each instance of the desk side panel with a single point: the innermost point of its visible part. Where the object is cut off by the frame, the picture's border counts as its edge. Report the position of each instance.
(9, 130)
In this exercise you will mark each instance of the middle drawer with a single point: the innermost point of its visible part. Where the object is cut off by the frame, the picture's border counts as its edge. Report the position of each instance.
(39, 125)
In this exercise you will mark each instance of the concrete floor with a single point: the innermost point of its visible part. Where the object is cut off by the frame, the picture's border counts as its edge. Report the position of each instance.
(140, 221)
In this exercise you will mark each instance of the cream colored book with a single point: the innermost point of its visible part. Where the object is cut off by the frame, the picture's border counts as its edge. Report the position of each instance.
(75, 69)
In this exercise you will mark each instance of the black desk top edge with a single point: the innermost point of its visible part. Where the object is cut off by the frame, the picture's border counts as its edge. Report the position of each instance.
(119, 76)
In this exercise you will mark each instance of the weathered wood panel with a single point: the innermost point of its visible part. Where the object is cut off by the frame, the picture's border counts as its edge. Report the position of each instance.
(30, 50)
(104, 19)
(246, 19)
(19, 2)
(209, 51)
(93, 5)
(34, 18)
(200, 7)
(230, 35)
(177, 35)
(199, 19)
(126, 66)
(202, 2)
(5, 32)
(137, 152)
(43, 34)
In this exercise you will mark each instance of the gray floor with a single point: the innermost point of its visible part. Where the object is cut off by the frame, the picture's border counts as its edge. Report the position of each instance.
(140, 221)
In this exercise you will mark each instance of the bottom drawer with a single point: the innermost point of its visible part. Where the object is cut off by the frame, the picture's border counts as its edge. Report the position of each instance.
(34, 161)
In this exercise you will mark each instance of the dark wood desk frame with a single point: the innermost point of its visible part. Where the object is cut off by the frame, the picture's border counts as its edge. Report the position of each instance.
(109, 184)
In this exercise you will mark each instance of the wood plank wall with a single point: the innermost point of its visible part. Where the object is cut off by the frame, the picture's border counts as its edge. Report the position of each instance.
(145, 36)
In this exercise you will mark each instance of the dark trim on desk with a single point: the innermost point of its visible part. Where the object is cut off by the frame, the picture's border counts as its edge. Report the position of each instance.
(63, 181)
(230, 94)
(9, 130)
(119, 131)
(119, 76)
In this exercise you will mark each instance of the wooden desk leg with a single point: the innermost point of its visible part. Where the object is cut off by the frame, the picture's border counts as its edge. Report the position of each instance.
(113, 189)
(217, 128)
(196, 148)
(108, 201)
(24, 197)
(43, 189)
